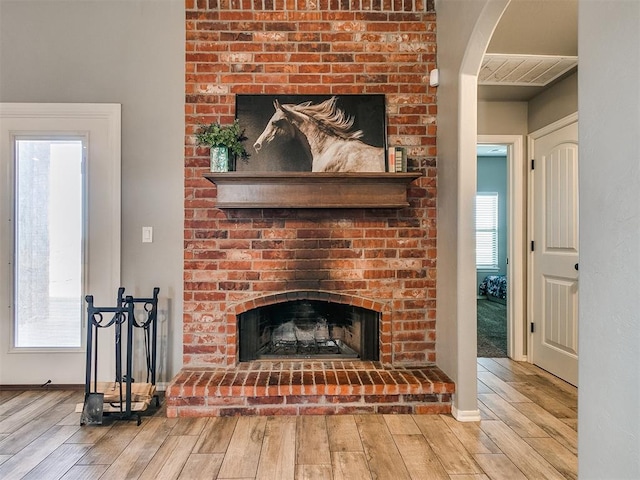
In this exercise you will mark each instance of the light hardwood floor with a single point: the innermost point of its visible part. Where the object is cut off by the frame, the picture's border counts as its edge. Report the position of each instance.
(528, 430)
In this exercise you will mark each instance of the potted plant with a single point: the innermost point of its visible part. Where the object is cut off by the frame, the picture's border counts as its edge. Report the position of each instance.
(225, 143)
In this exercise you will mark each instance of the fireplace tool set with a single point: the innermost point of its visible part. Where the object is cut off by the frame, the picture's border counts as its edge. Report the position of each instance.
(122, 399)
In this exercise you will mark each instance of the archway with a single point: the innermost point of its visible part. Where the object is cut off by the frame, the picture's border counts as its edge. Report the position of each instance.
(459, 62)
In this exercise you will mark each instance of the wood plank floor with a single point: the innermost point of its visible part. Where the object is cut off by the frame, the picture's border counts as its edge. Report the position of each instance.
(528, 430)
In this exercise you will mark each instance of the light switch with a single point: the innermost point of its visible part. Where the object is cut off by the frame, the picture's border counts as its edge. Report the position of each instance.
(147, 234)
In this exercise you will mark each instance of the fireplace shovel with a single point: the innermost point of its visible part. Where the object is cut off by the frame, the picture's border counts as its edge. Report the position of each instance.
(93, 407)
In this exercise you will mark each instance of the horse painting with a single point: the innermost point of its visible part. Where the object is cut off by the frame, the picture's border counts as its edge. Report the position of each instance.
(324, 131)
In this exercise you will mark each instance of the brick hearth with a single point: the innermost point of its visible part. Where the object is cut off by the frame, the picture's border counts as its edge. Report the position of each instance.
(309, 388)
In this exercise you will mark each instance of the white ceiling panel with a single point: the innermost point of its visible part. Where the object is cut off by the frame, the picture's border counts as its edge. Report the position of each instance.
(524, 70)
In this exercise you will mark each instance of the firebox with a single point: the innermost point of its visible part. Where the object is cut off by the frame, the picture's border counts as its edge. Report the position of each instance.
(308, 329)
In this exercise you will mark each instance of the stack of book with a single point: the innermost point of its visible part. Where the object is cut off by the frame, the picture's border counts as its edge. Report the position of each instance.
(396, 159)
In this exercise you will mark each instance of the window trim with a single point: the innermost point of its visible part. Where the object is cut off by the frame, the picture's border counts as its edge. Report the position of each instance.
(106, 174)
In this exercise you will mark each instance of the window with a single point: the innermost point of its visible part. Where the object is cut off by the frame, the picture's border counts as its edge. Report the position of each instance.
(487, 231)
(48, 246)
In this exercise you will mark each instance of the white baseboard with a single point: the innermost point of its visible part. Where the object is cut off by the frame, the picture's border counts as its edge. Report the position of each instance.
(465, 415)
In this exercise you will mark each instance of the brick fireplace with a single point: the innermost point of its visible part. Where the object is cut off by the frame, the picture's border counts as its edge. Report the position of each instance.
(382, 260)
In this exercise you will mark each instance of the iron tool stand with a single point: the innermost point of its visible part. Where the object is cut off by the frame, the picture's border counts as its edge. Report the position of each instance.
(94, 400)
(118, 402)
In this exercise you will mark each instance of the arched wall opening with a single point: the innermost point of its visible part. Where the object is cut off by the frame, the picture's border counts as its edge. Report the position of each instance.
(464, 31)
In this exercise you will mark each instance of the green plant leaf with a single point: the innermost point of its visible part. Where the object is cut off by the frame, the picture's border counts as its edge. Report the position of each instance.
(231, 136)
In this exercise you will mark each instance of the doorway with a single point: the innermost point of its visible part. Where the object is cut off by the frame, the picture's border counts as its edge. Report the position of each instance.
(60, 177)
(491, 250)
(512, 147)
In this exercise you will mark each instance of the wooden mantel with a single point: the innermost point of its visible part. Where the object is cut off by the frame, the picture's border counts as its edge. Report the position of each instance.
(311, 189)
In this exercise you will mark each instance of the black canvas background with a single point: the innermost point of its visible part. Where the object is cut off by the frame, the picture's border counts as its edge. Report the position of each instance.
(254, 111)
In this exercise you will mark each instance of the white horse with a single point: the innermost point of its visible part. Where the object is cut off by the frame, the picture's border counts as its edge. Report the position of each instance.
(324, 130)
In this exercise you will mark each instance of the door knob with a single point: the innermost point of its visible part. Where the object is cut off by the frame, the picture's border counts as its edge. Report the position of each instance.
(576, 266)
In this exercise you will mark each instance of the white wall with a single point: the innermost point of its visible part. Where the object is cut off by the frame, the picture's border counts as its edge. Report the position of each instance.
(132, 53)
(609, 337)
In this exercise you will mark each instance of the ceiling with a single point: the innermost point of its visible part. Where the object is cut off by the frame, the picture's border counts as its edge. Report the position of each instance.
(534, 46)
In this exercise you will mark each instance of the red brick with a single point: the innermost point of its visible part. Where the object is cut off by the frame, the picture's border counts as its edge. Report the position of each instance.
(432, 409)
(172, 412)
(199, 412)
(272, 400)
(304, 399)
(342, 399)
(317, 410)
(277, 411)
(224, 401)
(260, 46)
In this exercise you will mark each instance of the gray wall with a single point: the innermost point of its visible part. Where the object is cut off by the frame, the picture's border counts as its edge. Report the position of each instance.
(492, 177)
(132, 53)
(553, 104)
(521, 118)
(609, 340)
(502, 118)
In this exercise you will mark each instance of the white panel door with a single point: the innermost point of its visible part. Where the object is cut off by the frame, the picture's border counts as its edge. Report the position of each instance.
(555, 266)
(40, 339)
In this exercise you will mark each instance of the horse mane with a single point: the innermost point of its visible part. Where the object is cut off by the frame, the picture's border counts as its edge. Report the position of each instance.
(330, 119)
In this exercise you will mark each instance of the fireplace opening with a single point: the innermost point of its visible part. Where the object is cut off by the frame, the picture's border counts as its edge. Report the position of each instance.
(308, 329)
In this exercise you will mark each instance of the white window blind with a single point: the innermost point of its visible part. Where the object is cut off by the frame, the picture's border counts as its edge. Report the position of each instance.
(487, 230)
